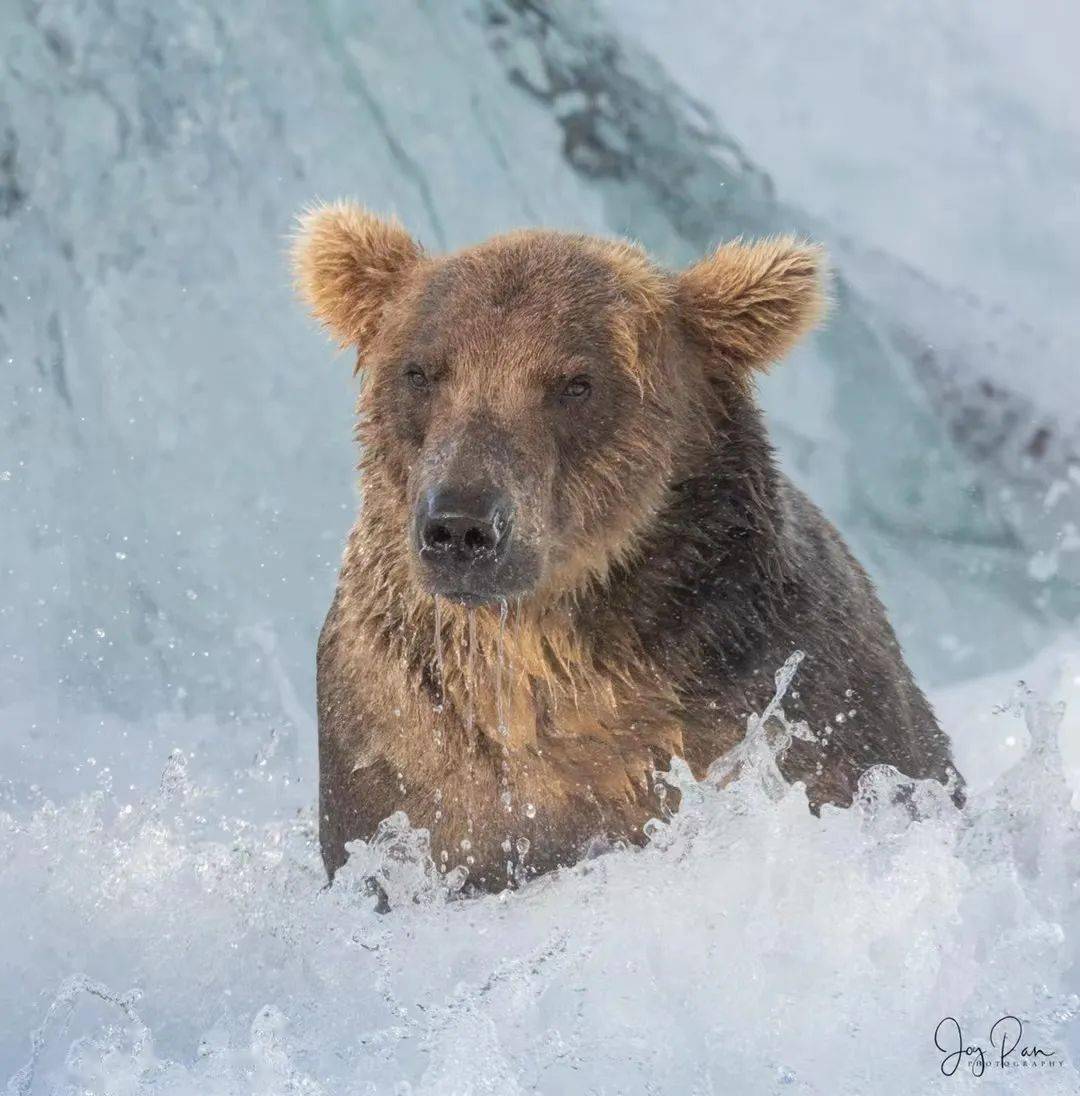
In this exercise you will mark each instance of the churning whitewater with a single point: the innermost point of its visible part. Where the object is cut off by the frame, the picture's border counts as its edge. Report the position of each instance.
(180, 943)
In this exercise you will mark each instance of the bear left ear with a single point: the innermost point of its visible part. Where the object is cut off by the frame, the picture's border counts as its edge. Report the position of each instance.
(348, 263)
(748, 304)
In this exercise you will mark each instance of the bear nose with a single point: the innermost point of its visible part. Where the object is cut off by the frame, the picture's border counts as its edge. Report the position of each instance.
(468, 526)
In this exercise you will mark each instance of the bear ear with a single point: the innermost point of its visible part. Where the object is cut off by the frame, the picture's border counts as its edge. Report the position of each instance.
(748, 304)
(347, 264)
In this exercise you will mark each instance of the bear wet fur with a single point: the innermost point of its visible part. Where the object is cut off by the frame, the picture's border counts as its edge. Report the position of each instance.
(649, 568)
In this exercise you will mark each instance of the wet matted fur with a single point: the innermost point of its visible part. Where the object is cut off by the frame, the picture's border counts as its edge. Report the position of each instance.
(668, 567)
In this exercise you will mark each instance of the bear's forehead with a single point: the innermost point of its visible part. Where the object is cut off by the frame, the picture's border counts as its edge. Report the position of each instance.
(544, 295)
(536, 267)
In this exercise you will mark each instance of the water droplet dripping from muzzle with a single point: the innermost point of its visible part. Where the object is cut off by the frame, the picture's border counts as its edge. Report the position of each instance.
(470, 662)
(500, 698)
(439, 674)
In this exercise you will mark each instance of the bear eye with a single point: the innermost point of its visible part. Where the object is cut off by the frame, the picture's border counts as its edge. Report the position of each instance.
(416, 377)
(577, 388)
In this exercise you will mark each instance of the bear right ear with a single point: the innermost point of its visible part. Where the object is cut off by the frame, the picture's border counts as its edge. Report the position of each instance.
(347, 264)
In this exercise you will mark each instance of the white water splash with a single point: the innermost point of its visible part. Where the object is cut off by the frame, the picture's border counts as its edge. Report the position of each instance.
(751, 947)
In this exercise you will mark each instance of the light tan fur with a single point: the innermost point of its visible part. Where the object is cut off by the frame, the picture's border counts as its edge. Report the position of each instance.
(751, 303)
(347, 262)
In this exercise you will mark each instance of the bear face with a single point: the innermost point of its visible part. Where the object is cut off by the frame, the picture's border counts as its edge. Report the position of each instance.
(529, 403)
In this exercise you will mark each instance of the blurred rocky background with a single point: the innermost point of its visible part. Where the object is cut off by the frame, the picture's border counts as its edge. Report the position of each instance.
(176, 464)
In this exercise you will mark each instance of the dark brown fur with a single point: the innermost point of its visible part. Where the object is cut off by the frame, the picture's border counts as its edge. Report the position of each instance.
(671, 567)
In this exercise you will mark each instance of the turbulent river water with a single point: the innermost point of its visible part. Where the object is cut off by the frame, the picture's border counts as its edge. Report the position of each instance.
(179, 938)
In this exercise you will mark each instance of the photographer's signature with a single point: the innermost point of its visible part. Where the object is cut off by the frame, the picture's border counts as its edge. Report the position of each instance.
(1006, 1047)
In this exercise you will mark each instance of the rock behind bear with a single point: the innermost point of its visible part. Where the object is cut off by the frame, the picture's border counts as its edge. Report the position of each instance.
(575, 556)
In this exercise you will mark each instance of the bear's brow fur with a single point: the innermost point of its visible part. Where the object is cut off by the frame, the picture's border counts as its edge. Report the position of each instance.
(686, 568)
(571, 288)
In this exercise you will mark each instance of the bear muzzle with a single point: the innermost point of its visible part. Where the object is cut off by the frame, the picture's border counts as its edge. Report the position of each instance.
(464, 539)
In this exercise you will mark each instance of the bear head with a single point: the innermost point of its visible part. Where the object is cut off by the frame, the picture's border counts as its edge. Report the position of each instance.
(529, 404)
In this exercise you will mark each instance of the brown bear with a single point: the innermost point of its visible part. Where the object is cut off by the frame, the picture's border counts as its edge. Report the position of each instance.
(575, 556)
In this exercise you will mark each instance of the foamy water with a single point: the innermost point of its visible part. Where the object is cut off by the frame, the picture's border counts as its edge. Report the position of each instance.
(182, 941)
